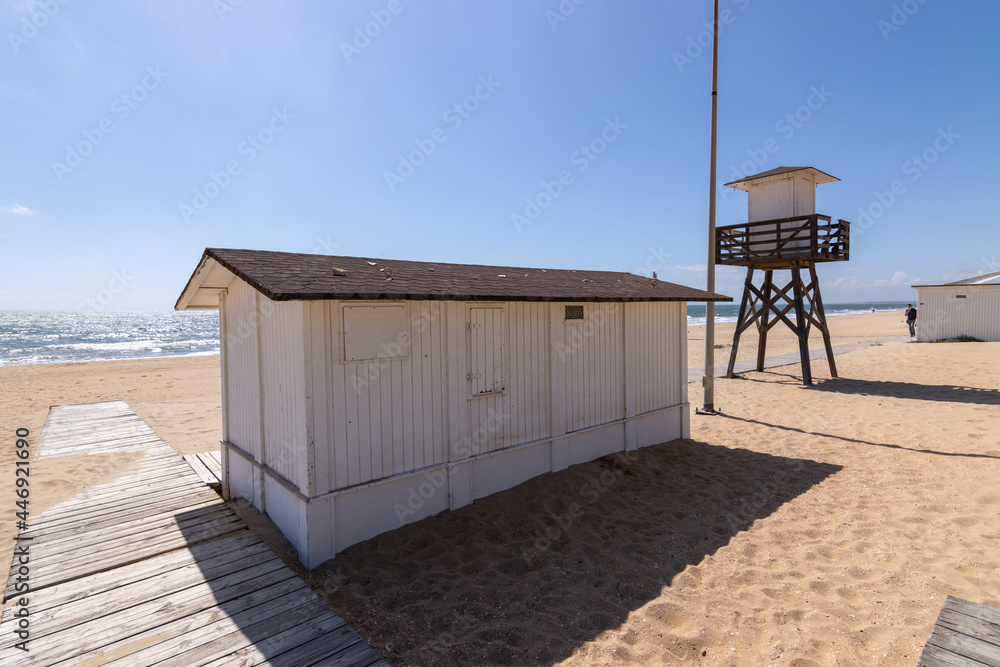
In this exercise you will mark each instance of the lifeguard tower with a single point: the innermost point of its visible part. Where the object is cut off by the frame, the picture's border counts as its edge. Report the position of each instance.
(783, 232)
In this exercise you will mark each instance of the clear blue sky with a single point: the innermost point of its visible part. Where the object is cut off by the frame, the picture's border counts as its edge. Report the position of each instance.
(116, 115)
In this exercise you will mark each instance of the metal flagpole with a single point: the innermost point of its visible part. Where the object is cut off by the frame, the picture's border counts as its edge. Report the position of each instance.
(709, 379)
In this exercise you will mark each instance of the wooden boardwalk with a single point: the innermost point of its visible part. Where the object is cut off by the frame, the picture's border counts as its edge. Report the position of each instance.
(966, 634)
(208, 466)
(153, 568)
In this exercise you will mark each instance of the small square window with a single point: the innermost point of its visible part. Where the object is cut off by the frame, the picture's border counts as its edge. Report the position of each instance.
(574, 312)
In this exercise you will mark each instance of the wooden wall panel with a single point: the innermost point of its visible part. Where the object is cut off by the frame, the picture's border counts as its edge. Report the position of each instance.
(389, 416)
(282, 363)
(941, 313)
(395, 415)
(661, 367)
(242, 372)
(594, 354)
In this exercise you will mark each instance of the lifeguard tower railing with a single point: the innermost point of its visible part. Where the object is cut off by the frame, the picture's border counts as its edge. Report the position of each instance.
(783, 241)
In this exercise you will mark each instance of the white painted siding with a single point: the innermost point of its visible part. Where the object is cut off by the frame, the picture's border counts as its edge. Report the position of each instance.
(782, 196)
(242, 375)
(487, 351)
(770, 198)
(942, 314)
(803, 195)
(325, 424)
(520, 413)
(387, 416)
(487, 404)
(594, 354)
(658, 331)
(282, 363)
(319, 411)
(528, 384)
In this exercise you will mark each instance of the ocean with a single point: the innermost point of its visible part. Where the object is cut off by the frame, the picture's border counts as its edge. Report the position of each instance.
(54, 337)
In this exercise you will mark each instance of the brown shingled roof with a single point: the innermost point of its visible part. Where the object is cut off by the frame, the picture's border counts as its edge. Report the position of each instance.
(285, 276)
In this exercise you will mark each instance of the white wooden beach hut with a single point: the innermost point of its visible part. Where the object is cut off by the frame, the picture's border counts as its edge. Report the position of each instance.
(360, 394)
(969, 307)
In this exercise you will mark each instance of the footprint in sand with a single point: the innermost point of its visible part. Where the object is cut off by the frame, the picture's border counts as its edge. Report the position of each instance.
(859, 574)
(846, 593)
(966, 521)
(822, 588)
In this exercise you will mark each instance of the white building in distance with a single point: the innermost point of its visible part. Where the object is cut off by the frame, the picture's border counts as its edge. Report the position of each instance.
(969, 307)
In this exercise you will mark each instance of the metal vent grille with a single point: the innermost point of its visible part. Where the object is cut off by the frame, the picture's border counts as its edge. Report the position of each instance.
(574, 312)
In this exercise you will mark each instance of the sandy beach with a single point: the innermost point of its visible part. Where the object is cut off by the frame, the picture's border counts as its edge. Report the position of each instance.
(817, 525)
(179, 397)
(845, 330)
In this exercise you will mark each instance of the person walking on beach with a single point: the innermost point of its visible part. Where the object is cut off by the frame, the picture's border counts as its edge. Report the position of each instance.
(911, 318)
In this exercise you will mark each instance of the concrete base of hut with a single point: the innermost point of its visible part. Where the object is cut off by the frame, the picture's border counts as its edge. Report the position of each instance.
(319, 527)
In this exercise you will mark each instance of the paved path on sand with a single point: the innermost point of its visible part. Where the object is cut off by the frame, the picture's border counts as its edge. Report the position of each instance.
(696, 373)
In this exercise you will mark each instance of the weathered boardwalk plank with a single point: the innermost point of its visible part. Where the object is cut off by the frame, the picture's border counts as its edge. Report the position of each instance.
(208, 466)
(966, 634)
(154, 568)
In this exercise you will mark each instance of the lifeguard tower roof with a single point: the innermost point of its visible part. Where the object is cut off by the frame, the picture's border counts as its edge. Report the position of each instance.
(818, 176)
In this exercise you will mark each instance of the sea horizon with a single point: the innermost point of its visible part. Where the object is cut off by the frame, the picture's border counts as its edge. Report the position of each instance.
(31, 337)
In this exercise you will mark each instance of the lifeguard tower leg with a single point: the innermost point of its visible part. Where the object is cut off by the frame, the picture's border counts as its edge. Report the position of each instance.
(801, 330)
(821, 317)
(740, 322)
(764, 317)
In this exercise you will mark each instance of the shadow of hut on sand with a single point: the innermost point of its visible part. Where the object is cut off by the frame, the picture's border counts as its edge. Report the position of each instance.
(558, 560)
